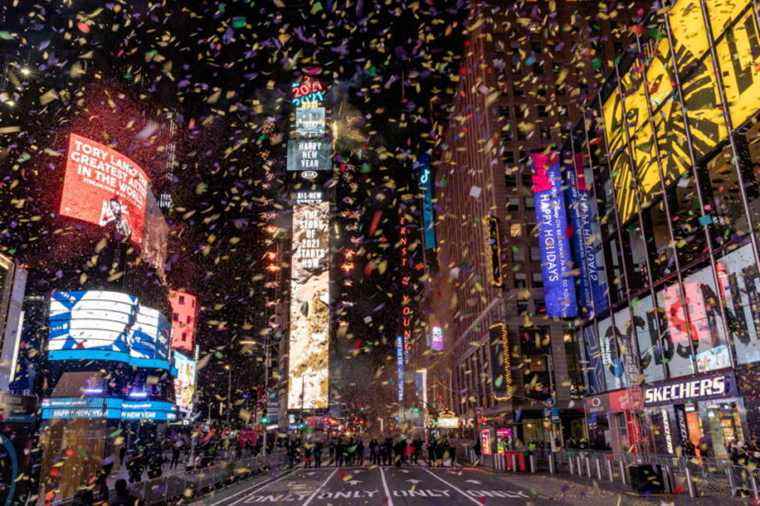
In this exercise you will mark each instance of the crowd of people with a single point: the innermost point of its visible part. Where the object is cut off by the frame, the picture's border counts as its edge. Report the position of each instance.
(343, 451)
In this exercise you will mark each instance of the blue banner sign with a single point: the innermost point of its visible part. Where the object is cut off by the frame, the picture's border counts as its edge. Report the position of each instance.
(89, 408)
(559, 284)
(426, 187)
(586, 243)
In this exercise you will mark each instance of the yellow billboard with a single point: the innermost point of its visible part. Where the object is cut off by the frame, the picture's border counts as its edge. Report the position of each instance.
(633, 153)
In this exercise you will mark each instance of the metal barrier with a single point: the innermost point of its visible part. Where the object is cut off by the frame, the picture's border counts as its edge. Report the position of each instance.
(697, 477)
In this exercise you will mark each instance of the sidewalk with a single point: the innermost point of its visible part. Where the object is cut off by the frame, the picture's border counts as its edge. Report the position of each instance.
(571, 489)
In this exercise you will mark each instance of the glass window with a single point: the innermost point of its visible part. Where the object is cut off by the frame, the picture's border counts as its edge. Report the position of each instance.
(537, 280)
(521, 280)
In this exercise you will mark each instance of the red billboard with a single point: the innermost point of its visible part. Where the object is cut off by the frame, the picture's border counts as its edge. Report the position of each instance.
(184, 315)
(104, 187)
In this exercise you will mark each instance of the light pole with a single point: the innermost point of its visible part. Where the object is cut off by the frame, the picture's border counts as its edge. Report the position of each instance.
(229, 391)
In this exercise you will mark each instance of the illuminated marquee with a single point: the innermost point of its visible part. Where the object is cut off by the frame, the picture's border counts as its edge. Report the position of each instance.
(309, 307)
(493, 250)
(309, 93)
(501, 362)
(309, 155)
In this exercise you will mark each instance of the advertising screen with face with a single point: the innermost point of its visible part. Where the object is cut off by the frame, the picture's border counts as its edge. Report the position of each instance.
(100, 325)
(104, 187)
(309, 307)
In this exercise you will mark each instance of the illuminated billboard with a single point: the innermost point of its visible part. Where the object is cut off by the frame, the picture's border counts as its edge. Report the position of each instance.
(100, 325)
(104, 187)
(310, 122)
(184, 383)
(308, 379)
(184, 315)
(309, 93)
(633, 165)
(501, 361)
(89, 408)
(309, 154)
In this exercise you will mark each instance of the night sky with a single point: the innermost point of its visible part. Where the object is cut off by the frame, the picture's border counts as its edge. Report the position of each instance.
(224, 69)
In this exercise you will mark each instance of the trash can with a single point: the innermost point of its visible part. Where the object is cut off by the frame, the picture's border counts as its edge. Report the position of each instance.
(646, 479)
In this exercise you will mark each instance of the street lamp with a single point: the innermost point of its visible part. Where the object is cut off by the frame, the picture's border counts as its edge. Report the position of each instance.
(229, 391)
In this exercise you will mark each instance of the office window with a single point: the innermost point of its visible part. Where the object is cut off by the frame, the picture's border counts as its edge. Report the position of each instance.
(535, 254)
(540, 306)
(537, 280)
(518, 253)
(522, 306)
(181, 299)
(513, 204)
(521, 280)
(189, 319)
(175, 317)
(530, 203)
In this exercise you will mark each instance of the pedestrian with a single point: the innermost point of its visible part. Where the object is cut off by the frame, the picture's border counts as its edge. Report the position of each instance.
(431, 448)
(318, 454)
(360, 452)
(373, 453)
(331, 448)
(307, 454)
(476, 449)
(290, 448)
(417, 450)
(176, 451)
(340, 450)
(122, 497)
(388, 451)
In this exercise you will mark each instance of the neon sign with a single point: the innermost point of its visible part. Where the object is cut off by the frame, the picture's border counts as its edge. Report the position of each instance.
(309, 93)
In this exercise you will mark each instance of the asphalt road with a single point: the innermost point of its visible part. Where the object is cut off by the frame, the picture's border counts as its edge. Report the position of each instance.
(386, 486)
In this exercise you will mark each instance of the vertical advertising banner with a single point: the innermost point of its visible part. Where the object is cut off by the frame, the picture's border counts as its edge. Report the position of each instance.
(400, 367)
(308, 384)
(559, 284)
(184, 383)
(426, 188)
(501, 363)
(586, 243)
(104, 187)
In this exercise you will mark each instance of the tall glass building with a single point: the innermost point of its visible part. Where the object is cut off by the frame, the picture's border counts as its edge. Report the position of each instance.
(670, 151)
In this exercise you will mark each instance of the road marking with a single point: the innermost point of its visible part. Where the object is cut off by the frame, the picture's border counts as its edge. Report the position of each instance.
(385, 487)
(250, 490)
(452, 486)
(311, 497)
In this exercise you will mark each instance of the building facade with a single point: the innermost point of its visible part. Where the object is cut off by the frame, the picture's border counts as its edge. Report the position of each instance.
(673, 143)
(511, 369)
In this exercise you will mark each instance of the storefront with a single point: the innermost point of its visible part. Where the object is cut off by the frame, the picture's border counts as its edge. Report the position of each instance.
(703, 411)
(748, 381)
(613, 420)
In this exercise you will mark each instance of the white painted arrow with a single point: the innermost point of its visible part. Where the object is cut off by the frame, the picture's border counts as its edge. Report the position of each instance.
(474, 482)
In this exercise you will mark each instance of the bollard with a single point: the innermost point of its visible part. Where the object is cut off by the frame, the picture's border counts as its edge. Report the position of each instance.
(689, 483)
(532, 463)
(551, 463)
(588, 466)
(514, 462)
(754, 485)
(609, 469)
(598, 469)
(570, 463)
(622, 471)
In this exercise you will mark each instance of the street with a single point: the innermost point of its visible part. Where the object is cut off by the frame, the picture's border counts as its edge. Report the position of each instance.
(416, 485)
